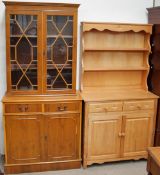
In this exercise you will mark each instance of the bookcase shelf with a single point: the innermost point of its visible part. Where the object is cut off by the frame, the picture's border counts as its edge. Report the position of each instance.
(117, 49)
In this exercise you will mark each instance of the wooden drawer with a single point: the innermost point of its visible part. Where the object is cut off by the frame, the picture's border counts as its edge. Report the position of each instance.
(18, 108)
(62, 106)
(138, 105)
(105, 107)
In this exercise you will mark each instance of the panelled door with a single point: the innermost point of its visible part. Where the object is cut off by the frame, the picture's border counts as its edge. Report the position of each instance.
(24, 138)
(137, 129)
(104, 138)
(62, 136)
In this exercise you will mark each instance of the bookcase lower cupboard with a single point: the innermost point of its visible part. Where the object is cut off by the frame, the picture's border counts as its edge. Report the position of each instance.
(42, 134)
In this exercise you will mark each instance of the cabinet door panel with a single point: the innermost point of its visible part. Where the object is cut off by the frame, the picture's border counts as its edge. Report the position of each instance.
(137, 129)
(23, 138)
(23, 55)
(63, 136)
(104, 140)
(60, 36)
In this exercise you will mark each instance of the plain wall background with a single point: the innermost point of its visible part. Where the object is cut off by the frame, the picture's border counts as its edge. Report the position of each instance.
(127, 11)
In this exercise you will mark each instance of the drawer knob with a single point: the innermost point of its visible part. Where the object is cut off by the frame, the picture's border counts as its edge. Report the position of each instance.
(106, 109)
(139, 107)
(122, 134)
(23, 108)
(62, 108)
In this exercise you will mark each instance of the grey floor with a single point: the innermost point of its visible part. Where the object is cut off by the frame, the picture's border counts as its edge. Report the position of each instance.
(118, 168)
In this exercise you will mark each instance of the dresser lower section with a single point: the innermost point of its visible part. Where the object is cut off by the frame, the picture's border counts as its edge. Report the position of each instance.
(118, 130)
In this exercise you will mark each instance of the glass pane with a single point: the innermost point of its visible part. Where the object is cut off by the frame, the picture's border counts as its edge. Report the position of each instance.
(32, 75)
(68, 30)
(15, 76)
(12, 52)
(60, 21)
(24, 84)
(49, 53)
(59, 83)
(69, 41)
(50, 41)
(23, 21)
(14, 28)
(59, 52)
(51, 75)
(23, 52)
(33, 41)
(67, 75)
(51, 29)
(69, 53)
(32, 29)
(14, 40)
(35, 53)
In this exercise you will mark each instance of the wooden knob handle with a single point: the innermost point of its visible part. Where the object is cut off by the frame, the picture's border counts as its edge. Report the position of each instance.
(139, 107)
(62, 108)
(23, 108)
(120, 134)
(123, 134)
(106, 109)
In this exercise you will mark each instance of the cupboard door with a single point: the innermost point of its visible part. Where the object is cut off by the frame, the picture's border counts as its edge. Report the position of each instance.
(24, 51)
(23, 143)
(137, 133)
(103, 136)
(60, 36)
(63, 134)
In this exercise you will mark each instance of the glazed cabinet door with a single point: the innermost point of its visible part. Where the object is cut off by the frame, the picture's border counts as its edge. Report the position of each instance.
(23, 35)
(62, 137)
(137, 133)
(23, 143)
(60, 32)
(103, 136)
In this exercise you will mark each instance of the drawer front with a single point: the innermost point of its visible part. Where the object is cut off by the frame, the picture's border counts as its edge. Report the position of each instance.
(138, 105)
(62, 107)
(105, 107)
(21, 108)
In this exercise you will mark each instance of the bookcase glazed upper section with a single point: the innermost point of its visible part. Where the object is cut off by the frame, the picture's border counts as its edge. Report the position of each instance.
(41, 47)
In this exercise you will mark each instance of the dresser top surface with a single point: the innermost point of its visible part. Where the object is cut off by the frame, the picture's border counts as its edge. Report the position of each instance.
(116, 94)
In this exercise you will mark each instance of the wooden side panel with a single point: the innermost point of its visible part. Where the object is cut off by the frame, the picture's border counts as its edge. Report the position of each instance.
(137, 130)
(23, 143)
(103, 136)
(62, 135)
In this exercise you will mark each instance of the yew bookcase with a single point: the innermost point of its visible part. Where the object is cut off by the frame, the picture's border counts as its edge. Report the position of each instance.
(42, 109)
